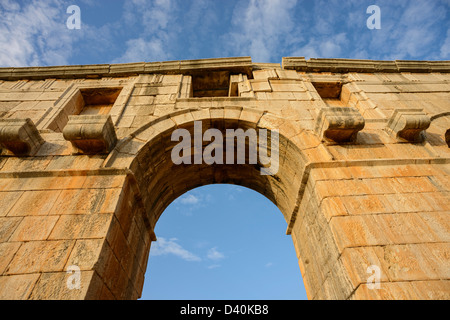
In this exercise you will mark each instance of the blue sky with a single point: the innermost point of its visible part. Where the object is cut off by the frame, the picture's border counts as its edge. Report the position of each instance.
(138, 30)
(221, 242)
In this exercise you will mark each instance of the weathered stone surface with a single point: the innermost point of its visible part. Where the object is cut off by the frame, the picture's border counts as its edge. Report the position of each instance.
(408, 125)
(40, 256)
(91, 134)
(20, 136)
(339, 124)
(17, 287)
(352, 198)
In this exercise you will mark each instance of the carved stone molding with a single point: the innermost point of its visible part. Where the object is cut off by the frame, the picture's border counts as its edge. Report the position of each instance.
(339, 124)
(408, 124)
(20, 136)
(91, 134)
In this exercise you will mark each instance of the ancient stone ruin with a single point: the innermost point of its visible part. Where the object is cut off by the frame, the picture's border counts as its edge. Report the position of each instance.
(362, 181)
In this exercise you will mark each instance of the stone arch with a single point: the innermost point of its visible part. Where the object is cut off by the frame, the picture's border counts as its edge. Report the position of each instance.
(331, 204)
(147, 154)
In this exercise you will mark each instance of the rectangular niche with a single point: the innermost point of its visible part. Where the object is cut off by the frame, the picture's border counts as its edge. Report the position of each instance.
(330, 92)
(211, 84)
(98, 101)
(85, 101)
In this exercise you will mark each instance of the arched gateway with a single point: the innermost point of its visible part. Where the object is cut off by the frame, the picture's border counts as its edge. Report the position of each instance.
(359, 169)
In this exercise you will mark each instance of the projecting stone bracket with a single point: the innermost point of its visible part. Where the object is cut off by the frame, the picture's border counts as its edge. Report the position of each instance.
(339, 124)
(408, 124)
(91, 134)
(20, 136)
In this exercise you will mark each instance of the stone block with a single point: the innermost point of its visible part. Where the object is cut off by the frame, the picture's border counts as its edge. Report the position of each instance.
(20, 136)
(86, 253)
(261, 86)
(408, 124)
(40, 256)
(91, 134)
(7, 201)
(357, 260)
(268, 74)
(34, 228)
(419, 261)
(17, 287)
(294, 63)
(36, 203)
(90, 226)
(7, 252)
(339, 124)
(54, 286)
(7, 227)
(405, 290)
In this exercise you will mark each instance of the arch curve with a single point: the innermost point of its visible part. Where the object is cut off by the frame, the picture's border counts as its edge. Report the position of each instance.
(147, 153)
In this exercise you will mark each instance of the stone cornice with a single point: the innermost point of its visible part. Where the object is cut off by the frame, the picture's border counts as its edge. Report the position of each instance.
(368, 66)
(188, 67)
(235, 65)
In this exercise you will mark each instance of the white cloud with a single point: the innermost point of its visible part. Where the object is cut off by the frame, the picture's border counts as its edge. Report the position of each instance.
(261, 29)
(189, 199)
(157, 27)
(409, 30)
(171, 247)
(138, 50)
(165, 246)
(188, 203)
(323, 47)
(35, 34)
(214, 254)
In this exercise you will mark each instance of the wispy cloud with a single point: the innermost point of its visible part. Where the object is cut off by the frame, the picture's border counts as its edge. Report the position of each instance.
(214, 254)
(188, 203)
(260, 27)
(170, 247)
(155, 20)
(409, 30)
(165, 246)
(189, 199)
(34, 33)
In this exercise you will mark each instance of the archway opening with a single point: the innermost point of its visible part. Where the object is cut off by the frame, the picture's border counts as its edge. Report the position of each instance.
(222, 242)
(161, 180)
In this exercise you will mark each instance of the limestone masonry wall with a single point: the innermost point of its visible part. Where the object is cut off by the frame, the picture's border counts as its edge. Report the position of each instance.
(363, 178)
